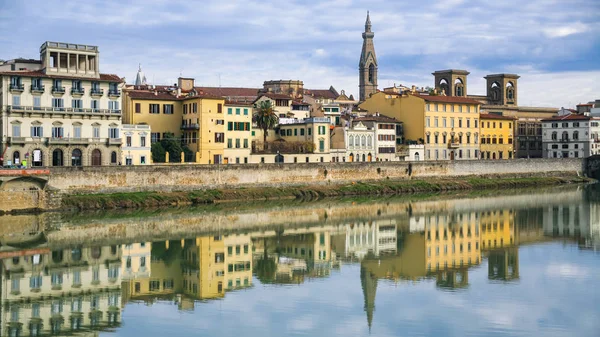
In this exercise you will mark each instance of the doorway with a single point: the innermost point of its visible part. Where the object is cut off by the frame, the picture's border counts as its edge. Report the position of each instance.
(96, 158)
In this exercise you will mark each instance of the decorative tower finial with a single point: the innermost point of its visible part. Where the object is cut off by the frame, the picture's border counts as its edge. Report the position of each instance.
(368, 23)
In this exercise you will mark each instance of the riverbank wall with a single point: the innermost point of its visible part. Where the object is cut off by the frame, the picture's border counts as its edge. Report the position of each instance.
(46, 191)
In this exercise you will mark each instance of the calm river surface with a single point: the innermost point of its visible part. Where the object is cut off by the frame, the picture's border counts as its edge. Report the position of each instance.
(514, 263)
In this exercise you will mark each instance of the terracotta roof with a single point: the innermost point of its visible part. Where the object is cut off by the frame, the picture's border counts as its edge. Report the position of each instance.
(321, 93)
(164, 95)
(377, 118)
(229, 92)
(272, 95)
(448, 99)
(571, 117)
(494, 116)
(233, 103)
(40, 73)
(299, 103)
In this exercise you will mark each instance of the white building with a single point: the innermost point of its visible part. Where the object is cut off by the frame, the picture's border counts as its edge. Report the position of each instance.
(136, 149)
(66, 113)
(386, 132)
(570, 136)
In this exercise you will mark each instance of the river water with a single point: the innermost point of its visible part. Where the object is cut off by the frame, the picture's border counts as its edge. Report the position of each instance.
(514, 263)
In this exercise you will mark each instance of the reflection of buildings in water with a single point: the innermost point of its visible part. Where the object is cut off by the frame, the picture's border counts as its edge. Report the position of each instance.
(497, 229)
(294, 254)
(61, 291)
(503, 264)
(529, 225)
(136, 260)
(201, 268)
(378, 237)
(567, 220)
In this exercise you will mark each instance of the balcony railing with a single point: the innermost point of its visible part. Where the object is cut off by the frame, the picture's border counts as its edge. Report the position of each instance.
(453, 145)
(77, 91)
(58, 90)
(96, 92)
(193, 126)
(17, 87)
(37, 88)
(114, 93)
(75, 111)
(115, 141)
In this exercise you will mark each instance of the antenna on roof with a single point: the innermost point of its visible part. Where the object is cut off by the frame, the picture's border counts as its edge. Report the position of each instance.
(219, 80)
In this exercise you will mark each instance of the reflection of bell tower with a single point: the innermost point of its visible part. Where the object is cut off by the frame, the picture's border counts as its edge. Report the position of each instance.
(502, 89)
(369, 287)
(503, 264)
(452, 81)
(367, 67)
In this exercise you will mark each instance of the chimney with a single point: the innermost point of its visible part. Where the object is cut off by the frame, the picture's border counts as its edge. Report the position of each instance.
(185, 83)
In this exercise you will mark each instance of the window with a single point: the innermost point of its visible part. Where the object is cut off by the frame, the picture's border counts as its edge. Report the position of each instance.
(219, 137)
(113, 133)
(37, 131)
(154, 137)
(154, 108)
(237, 111)
(245, 112)
(57, 103)
(57, 132)
(138, 108)
(237, 143)
(77, 104)
(95, 104)
(143, 141)
(229, 143)
(16, 100)
(154, 285)
(113, 105)
(168, 109)
(219, 108)
(128, 141)
(229, 111)
(245, 143)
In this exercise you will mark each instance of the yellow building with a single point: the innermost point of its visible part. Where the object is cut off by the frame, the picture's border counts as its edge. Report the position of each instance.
(159, 109)
(497, 136)
(497, 229)
(203, 116)
(447, 126)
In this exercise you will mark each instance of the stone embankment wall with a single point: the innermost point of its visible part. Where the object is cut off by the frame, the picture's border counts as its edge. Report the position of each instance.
(110, 179)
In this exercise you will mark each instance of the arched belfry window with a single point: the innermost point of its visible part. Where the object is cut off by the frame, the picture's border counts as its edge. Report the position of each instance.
(510, 91)
(371, 73)
(459, 87)
(444, 86)
(495, 91)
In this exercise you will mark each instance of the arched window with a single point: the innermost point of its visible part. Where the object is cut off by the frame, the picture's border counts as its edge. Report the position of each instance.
(510, 91)
(369, 141)
(113, 157)
(495, 91)
(444, 86)
(38, 159)
(57, 157)
(351, 140)
(76, 157)
(459, 87)
(363, 141)
(96, 157)
(371, 73)
(575, 135)
(16, 158)
(554, 135)
(417, 156)
(565, 135)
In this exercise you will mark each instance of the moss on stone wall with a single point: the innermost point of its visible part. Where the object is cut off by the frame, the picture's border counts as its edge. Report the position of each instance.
(311, 192)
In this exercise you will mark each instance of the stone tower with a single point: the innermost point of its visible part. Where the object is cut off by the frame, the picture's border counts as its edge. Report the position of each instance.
(502, 89)
(452, 81)
(367, 67)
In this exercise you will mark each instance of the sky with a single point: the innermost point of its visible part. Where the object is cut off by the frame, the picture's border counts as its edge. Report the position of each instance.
(553, 45)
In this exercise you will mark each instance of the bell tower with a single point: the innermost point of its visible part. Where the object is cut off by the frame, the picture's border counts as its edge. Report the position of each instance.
(367, 67)
(453, 82)
(502, 89)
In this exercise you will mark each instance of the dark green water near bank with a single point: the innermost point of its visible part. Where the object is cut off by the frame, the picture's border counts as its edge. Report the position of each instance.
(479, 263)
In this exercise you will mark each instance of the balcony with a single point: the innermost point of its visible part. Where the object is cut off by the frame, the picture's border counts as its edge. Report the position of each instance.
(193, 126)
(37, 89)
(68, 140)
(564, 140)
(95, 92)
(114, 93)
(17, 87)
(63, 111)
(115, 141)
(77, 91)
(17, 140)
(58, 90)
(453, 145)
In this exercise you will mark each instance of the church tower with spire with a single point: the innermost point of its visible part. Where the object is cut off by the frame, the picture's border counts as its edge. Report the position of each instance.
(367, 67)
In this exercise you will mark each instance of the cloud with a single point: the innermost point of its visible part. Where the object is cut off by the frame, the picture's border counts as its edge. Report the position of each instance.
(564, 31)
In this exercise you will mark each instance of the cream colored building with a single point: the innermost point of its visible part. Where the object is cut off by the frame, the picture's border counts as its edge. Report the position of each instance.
(136, 149)
(65, 114)
(238, 120)
(136, 260)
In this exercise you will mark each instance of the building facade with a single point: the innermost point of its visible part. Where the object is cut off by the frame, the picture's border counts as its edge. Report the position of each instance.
(65, 114)
(496, 136)
(136, 149)
(367, 66)
(571, 136)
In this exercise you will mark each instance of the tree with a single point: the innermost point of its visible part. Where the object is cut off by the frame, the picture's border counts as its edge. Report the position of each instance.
(173, 146)
(265, 118)
(158, 153)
